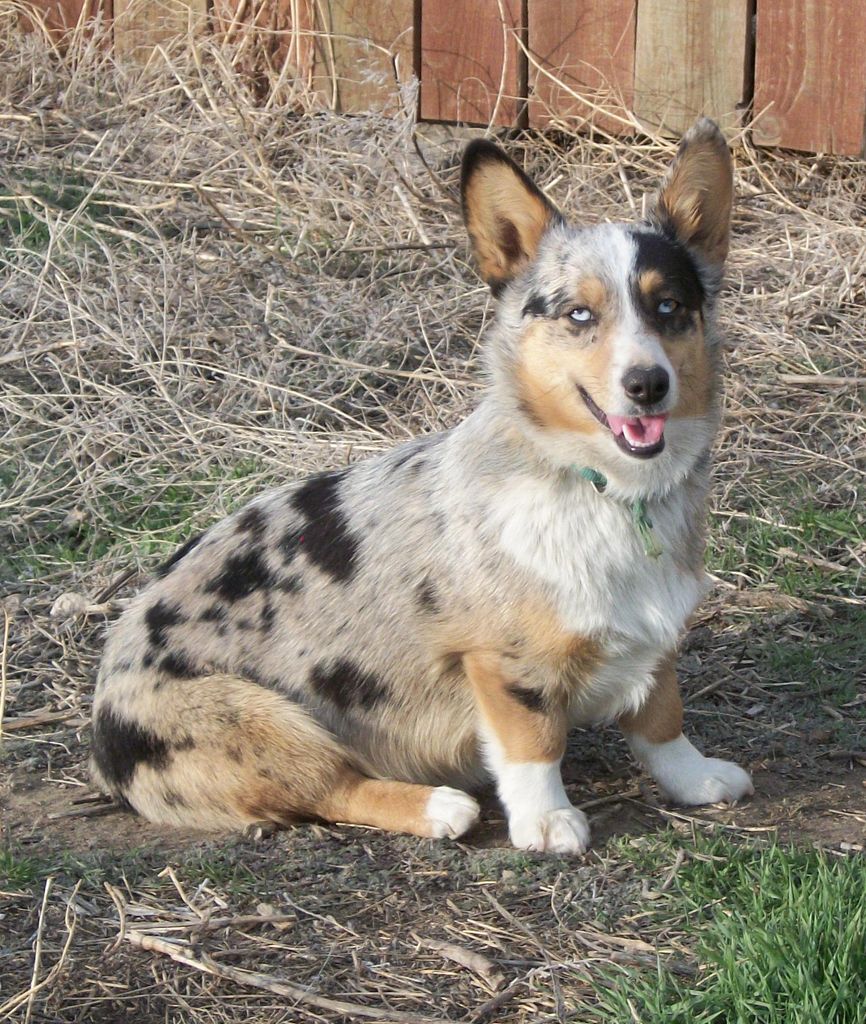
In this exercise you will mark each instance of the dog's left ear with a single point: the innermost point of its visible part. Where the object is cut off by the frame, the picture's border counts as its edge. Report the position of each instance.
(505, 213)
(694, 205)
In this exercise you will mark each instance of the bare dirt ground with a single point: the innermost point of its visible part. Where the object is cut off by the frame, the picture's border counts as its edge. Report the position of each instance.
(202, 296)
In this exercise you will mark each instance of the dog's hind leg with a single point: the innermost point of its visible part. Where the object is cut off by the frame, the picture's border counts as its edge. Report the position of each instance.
(223, 752)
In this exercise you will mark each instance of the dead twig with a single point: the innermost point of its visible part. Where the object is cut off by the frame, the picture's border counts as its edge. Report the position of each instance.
(183, 953)
(468, 958)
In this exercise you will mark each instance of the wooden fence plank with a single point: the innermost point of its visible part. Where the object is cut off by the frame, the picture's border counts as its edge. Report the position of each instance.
(366, 56)
(270, 37)
(140, 25)
(691, 59)
(60, 17)
(810, 64)
(472, 68)
(589, 47)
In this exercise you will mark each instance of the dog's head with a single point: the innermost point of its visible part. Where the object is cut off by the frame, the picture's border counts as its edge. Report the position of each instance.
(603, 352)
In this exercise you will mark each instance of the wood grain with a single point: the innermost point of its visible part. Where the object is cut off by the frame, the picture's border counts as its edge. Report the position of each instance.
(270, 37)
(60, 17)
(472, 68)
(365, 60)
(810, 71)
(691, 59)
(588, 47)
(140, 25)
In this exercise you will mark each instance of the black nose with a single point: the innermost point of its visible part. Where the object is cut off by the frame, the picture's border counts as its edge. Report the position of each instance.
(646, 385)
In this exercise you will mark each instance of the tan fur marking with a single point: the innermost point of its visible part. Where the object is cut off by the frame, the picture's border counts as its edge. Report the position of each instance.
(550, 642)
(394, 806)
(525, 736)
(696, 373)
(548, 373)
(661, 717)
(497, 202)
(698, 194)
(650, 282)
(592, 293)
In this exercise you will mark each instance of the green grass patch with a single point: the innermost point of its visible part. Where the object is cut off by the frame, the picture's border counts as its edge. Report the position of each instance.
(150, 519)
(779, 937)
(785, 549)
(36, 197)
(828, 655)
(17, 869)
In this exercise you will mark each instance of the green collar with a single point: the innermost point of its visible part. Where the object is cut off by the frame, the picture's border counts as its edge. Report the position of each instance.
(639, 516)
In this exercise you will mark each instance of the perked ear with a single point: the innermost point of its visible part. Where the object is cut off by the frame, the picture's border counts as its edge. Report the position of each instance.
(504, 212)
(694, 205)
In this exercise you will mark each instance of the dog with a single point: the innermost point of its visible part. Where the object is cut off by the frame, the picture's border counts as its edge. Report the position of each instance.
(372, 644)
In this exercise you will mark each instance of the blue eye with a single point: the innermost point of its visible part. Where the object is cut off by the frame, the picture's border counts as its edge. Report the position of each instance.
(581, 315)
(667, 306)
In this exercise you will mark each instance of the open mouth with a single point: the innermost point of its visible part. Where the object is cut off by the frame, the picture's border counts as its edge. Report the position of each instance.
(640, 436)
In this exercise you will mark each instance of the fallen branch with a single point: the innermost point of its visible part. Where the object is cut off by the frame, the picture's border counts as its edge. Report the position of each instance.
(183, 953)
(468, 958)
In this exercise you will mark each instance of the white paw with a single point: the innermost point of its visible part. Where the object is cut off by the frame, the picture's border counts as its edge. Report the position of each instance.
(686, 777)
(565, 830)
(712, 781)
(451, 812)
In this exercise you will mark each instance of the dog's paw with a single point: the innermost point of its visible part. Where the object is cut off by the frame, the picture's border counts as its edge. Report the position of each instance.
(709, 781)
(688, 778)
(451, 812)
(565, 830)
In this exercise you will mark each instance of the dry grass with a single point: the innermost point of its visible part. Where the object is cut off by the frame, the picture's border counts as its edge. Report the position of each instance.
(201, 295)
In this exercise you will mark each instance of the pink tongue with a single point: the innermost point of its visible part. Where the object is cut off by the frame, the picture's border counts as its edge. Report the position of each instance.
(642, 430)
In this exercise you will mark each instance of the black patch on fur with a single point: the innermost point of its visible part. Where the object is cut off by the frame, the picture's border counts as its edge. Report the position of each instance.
(184, 549)
(216, 613)
(234, 754)
(288, 544)
(252, 521)
(290, 585)
(242, 574)
(178, 665)
(267, 616)
(186, 743)
(347, 686)
(173, 799)
(159, 618)
(536, 305)
(409, 453)
(244, 624)
(679, 273)
(120, 745)
(326, 538)
(532, 700)
(427, 596)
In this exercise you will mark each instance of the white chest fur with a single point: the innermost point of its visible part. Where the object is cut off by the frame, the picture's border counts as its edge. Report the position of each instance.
(584, 548)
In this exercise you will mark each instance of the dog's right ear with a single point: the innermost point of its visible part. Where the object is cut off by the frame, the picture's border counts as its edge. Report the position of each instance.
(505, 213)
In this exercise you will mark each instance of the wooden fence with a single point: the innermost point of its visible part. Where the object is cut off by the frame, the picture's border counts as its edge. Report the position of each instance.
(798, 65)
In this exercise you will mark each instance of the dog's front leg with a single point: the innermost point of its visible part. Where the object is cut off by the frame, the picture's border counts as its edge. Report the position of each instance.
(523, 734)
(655, 736)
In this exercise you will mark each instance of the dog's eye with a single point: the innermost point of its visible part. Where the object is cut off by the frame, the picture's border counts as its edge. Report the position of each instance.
(581, 315)
(667, 306)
